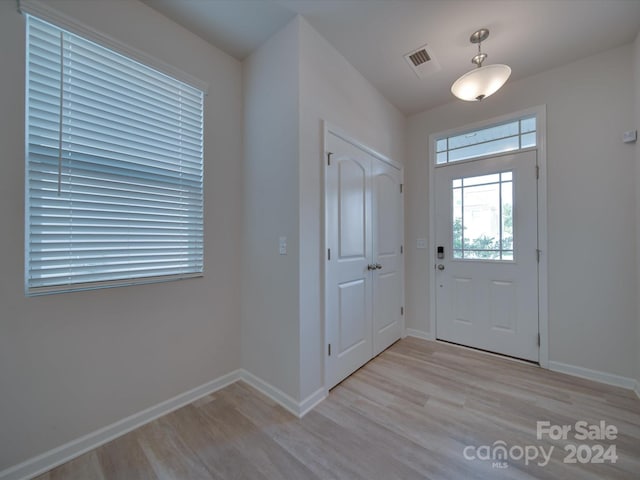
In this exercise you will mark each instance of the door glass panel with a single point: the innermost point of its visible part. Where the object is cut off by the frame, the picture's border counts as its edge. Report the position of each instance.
(483, 217)
(507, 218)
(481, 180)
(457, 219)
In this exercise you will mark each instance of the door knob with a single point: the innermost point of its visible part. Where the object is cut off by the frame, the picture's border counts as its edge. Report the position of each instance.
(378, 266)
(441, 267)
(371, 266)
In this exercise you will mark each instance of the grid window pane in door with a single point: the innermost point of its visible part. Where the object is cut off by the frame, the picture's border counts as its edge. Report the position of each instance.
(482, 221)
(114, 184)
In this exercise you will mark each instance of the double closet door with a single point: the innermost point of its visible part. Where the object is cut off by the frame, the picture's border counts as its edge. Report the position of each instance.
(364, 265)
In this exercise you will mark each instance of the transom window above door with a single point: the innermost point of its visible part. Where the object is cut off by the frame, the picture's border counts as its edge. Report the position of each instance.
(506, 137)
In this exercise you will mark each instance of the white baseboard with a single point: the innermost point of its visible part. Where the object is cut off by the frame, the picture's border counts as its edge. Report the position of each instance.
(62, 454)
(311, 401)
(298, 409)
(596, 375)
(275, 394)
(419, 334)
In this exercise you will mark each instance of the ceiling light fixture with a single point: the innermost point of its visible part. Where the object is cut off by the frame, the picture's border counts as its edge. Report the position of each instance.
(482, 81)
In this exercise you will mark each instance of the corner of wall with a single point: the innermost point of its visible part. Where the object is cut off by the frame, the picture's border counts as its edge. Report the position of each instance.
(66, 372)
(331, 90)
(636, 93)
(270, 280)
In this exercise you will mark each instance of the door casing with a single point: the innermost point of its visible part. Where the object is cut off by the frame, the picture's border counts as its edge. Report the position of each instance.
(543, 292)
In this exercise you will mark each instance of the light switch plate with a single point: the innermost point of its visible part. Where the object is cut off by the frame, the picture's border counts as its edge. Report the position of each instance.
(282, 245)
(630, 136)
(421, 243)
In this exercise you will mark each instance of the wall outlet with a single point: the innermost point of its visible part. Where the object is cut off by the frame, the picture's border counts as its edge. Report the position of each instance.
(282, 245)
(421, 243)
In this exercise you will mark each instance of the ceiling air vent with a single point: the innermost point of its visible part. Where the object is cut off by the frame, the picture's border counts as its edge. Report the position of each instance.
(422, 62)
(420, 57)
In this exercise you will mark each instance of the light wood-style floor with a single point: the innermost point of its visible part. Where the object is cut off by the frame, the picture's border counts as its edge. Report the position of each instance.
(408, 414)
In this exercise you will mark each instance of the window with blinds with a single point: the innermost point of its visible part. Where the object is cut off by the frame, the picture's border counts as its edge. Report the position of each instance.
(114, 168)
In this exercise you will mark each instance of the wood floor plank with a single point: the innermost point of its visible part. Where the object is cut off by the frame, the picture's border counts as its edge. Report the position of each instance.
(85, 467)
(168, 454)
(211, 446)
(408, 414)
(256, 446)
(290, 433)
(429, 461)
(124, 459)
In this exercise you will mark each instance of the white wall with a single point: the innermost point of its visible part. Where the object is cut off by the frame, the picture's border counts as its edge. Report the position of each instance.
(72, 363)
(331, 89)
(293, 82)
(636, 126)
(270, 297)
(592, 251)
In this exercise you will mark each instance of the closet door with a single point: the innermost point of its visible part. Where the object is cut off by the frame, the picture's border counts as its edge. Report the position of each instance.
(387, 250)
(363, 267)
(348, 262)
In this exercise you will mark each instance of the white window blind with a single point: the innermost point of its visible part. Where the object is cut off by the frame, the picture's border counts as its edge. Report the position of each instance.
(114, 172)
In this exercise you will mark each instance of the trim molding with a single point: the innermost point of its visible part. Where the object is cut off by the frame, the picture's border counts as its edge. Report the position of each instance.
(543, 270)
(299, 409)
(309, 403)
(575, 371)
(595, 375)
(42, 10)
(275, 394)
(419, 334)
(46, 12)
(57, 456)
(62, 454)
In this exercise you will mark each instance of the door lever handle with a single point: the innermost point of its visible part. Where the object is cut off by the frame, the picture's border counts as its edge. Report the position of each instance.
(378, 266)
(371, 266)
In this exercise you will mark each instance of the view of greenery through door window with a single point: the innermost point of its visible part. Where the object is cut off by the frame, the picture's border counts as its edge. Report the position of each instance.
(483, 217)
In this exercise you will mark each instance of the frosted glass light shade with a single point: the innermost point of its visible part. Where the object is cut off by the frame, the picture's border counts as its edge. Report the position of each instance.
(480, 82)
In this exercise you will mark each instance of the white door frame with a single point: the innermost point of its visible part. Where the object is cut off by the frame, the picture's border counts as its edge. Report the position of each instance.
(327, 128)
(543, 293)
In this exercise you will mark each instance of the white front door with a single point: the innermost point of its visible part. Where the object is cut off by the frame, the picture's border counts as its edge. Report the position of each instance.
(486, 254)
(364, 266)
